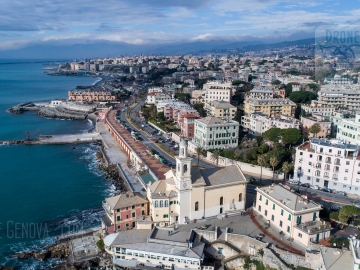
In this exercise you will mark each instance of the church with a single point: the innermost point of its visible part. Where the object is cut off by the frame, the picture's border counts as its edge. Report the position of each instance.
(189, 193)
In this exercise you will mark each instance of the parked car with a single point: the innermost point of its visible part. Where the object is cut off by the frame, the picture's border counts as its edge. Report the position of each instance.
(326, 190)
(314, 187)
(335, 208)
(342, 193)
(294, 182)
(174, 149)
(305, 185)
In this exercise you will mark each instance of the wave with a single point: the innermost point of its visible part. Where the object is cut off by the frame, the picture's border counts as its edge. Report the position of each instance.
(99, 79)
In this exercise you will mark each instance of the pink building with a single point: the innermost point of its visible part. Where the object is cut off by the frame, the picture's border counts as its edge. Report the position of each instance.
(187, 125)
(175, 110)
(123, 210)
(307, 122)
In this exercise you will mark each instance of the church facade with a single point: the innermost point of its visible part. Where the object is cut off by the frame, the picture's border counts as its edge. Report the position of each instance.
(190, 193)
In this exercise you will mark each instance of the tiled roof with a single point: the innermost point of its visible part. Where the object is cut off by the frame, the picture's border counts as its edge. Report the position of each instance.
(125, 200)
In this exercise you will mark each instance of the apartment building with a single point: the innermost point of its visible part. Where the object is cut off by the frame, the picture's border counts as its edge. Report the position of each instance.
(212, 132)
(221, 109)
(197, 96)
(91, 96)
(260, 93)
(123, 210)
(330, 164)
(295, 216)
(316, 107)
(155, 97)
(307, 122)
(175, 110)
(217, 91)
(155, 90)
(270, 107)
(187, 125)
(257, 123)
(338, 116)
(346, 97)
(348, 130)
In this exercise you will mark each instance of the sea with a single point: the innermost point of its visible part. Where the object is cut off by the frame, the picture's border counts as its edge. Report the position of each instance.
(49, 189)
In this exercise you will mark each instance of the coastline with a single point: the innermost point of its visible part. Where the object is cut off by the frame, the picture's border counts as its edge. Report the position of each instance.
(78, 215)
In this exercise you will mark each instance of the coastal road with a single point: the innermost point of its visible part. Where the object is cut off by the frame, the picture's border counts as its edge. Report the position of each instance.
(146, 139)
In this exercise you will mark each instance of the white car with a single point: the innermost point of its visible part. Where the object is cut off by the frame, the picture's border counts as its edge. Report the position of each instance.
(294, 182)
(314, 187)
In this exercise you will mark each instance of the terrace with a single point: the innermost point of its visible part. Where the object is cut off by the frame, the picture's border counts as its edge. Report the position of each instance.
(314, 227)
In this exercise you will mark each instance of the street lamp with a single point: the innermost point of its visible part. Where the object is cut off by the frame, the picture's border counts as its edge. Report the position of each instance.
(246, 229)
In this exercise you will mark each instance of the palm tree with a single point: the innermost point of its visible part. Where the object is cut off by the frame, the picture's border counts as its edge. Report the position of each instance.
(287, 167)
(216, 156)
(274, 161)
(262, 162)
(200, 151)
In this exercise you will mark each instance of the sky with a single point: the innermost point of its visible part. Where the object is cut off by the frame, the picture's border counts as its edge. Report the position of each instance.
(29, 22)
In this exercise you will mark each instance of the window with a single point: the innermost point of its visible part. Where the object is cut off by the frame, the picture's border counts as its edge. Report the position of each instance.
(118, 210)
(301, 153)
(267, 202)
(240, 197)
(133, 214)
(220, 250)
(127, 224)
(260, 198)
(197, 206)
(259, 208)
(282, 212)
(142, 212)
(272, 217)
(118, 218)
(221, 200)
(165, 216)
(265, 212)
(156, 204)
(161, 204)
(133, 207)
(280, 224)
(308, 178)
(300, 235)
(127, 208)
(166, 203)
(289, 217)
(288, 229)
(347, 162)
(273, 206)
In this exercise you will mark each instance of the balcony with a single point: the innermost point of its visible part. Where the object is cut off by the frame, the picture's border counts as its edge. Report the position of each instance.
(314, 227)
(107, 208)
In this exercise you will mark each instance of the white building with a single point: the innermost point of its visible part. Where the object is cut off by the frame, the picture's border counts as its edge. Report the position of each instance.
(162, 248)
(154, 98)
(155, 90)
(260, 93)
(217, 91)
(213, 132)
(347, 97)
(257, 123)
(315, 107)
(329, 164)
(348, 130)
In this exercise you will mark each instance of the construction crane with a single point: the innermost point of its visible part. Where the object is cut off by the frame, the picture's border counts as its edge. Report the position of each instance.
(28, 134)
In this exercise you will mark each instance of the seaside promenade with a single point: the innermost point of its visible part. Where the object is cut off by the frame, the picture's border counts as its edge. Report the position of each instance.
(115, 155)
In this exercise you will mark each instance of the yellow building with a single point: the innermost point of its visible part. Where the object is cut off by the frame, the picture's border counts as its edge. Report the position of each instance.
(270, 107)
(190, 193)
(221, 109)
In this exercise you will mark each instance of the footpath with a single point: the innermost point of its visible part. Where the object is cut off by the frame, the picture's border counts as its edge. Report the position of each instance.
(115, 155)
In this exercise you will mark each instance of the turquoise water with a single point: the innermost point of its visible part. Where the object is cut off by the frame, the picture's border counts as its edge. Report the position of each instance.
(44, 190)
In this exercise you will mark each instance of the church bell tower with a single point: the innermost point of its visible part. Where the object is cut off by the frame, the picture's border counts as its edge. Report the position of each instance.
(183, 167)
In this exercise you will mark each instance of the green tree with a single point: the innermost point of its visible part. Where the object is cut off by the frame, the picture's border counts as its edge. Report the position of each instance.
(348, 211)
(274, 161)
(288, 89)
(287, 167)
(291, 136)
(161, 116)
(260, 252)
(216, 156)
(262, 161)
(315, 129)
(184, 97)
(237, 82)
(200, 151)
(200, 108)
(276, 82)
(239, 113)
(334, 215)
(302, 96)
(273, 134)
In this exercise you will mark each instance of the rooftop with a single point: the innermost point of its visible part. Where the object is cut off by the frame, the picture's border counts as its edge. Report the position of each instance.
(217, 176)
(288, 198)
(220, 104)
(125, 199)
(212, 120)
